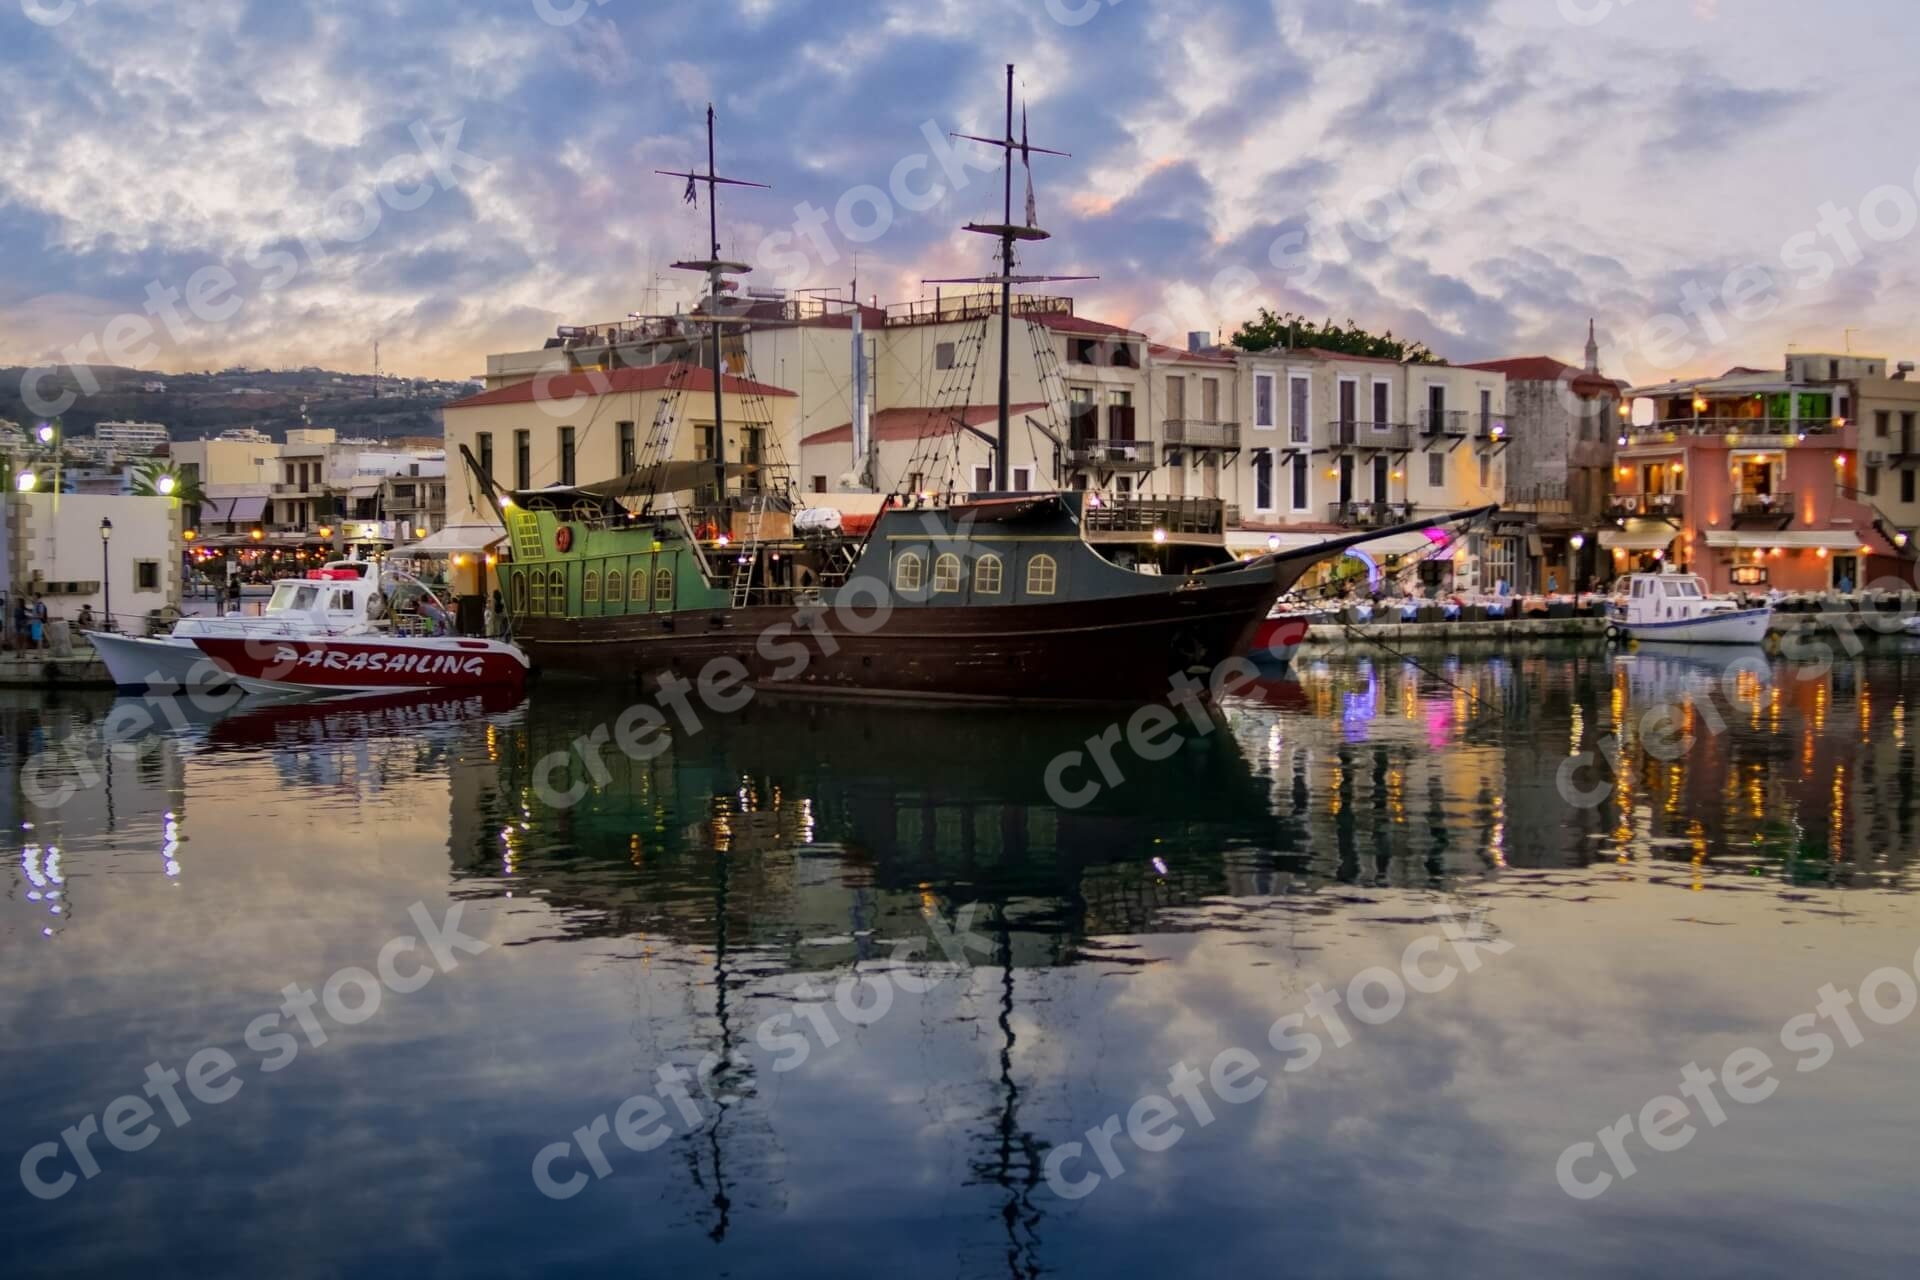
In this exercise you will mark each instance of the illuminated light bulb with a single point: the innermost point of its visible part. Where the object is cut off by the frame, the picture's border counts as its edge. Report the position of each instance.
(25, 481)
(1159, 535)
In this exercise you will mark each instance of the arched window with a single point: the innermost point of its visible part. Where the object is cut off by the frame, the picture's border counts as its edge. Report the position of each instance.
(906, 572)
(663, 589)
(946, 574)
(519, 590)
(616, 586)
(640, 588)
(1042, 575)
(986, 576)
(590, 587)
(536, 593)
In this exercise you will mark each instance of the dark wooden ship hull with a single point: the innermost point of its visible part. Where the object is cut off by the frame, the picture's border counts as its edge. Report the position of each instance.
(1118, 649)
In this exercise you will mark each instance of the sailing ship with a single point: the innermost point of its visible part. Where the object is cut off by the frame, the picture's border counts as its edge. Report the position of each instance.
(999, 596)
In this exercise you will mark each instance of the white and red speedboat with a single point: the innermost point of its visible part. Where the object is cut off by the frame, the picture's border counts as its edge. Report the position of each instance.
(357, 664)
(345, 598)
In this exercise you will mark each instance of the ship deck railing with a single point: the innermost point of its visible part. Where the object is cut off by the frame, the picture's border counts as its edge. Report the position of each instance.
(1126, 517)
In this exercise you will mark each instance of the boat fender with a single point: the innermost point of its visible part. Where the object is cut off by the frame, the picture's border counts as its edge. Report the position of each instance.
(563, 539)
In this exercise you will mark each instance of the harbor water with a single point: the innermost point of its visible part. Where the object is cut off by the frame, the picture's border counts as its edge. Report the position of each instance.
(451, 989)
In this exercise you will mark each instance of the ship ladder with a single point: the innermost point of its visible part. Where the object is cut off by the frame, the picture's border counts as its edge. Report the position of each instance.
(749, 552)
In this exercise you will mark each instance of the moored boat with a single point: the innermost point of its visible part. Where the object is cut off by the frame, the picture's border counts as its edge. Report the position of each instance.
(1674, 608)
(341, 598)
(685, 565)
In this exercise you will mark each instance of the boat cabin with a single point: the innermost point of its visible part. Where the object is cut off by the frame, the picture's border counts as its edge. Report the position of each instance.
(1665, 597)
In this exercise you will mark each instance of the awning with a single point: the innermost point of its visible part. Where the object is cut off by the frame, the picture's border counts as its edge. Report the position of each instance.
(1794, 539)
(457, 539)
(1638, 539)
(233, 510)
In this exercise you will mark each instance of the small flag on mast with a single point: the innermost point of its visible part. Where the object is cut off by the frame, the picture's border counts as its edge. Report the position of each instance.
(1026, 158)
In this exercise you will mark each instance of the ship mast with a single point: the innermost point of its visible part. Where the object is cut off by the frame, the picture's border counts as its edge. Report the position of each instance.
(716, 270)
(1008, 232)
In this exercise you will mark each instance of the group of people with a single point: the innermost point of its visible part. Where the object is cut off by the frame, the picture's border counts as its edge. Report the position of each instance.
(31, 621)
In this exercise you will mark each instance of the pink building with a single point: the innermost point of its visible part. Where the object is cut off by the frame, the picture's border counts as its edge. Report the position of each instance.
(1750, 480)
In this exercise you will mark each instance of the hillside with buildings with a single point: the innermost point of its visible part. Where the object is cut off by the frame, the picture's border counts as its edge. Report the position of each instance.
(195, 405)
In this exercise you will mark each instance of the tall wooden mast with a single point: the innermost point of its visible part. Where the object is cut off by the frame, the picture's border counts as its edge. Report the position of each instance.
(1008, 232)
(716, 270)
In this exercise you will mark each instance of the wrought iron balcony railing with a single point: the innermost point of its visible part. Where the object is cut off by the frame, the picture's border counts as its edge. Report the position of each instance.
(1197, 433)
(1366, 435)
(1655, 506)
(1763, 506)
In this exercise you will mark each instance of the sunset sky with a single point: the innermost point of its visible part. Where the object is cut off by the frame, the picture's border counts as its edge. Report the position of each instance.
(1634, 155)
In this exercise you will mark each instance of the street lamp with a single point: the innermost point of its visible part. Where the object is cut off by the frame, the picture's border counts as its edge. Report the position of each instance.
(106, 572)
(25, 481)
(45, 432)
(164, 486)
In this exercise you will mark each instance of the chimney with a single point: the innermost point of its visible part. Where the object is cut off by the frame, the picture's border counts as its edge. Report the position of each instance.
(1903, 371)
(1198, 340)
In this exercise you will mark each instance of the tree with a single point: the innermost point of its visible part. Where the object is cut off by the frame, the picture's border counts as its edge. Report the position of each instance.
(184, 489)
(1290, 330)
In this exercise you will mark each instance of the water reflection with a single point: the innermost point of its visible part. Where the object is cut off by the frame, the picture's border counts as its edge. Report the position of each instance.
(686, 899)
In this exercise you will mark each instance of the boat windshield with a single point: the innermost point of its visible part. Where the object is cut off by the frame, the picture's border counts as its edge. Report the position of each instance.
(1686, 588)
(293, 597)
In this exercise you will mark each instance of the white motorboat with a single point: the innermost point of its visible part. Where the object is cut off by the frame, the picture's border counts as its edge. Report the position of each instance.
(1674, 608)
(343, 598)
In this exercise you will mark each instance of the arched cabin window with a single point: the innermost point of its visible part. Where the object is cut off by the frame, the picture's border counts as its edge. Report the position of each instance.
(1042, 576)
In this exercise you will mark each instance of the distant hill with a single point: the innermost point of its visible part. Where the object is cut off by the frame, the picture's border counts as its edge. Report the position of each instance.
(192, 405)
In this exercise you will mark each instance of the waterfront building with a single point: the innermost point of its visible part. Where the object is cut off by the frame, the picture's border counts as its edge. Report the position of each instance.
(1337, 443)
(586, 428)
(1562, 421)
(52, 545)
(1760, 479)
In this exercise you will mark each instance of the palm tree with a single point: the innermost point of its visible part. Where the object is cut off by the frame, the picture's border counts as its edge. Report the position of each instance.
(158, 479)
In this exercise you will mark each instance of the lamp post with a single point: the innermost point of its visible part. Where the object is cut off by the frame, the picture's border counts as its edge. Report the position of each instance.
(1575, 572)
(106, 572)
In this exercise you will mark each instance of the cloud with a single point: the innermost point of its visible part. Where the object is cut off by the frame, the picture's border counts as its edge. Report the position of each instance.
(152, 141)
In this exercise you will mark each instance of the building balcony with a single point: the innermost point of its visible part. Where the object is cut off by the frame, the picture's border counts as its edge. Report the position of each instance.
(1648, 506)
(1489, 430)
(1345, 435)
(1443, 423)
(1674, 428)
(1196, 433)
(1770, 509)
(1370, 515)
(1111, 455)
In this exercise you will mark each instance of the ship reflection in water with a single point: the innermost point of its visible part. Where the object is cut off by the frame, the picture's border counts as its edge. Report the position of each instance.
(1681, 854)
